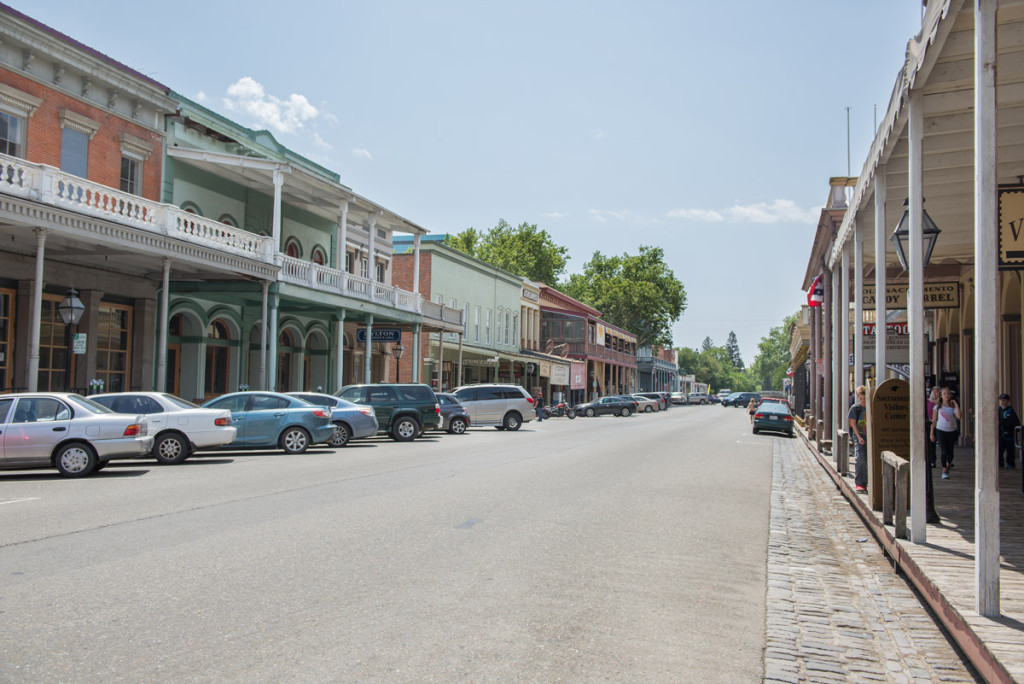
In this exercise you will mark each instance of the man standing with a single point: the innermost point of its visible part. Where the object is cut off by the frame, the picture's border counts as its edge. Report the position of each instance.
(1008, 422)
(540, 406)
(858, 428)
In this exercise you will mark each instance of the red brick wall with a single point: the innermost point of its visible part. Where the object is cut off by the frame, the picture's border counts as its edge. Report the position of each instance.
(43, 137)
(402, 268)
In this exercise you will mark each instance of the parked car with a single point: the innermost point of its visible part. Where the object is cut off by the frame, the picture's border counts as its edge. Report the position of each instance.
(404, 410)
(612, 405)
(662, 398)
(722, 394)
(715, 399)
(646, 404)
(700, 398)
(351, 421)
(506, 407)
(777, 400)
(178, 427)
(454, 416)
(67, 432)
(678, 398)
(268, 420)
(741, 399)
(774, 416)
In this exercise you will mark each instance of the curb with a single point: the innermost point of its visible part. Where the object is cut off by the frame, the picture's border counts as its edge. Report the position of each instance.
(990, 669)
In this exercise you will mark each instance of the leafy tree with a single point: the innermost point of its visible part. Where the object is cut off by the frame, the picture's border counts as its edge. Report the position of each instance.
(733, 349)
(772, 361)
(524, 250)
(637, 293)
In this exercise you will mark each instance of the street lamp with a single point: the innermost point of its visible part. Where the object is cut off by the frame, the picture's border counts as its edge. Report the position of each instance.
(929, 232)
(397, 350)
(70, 310)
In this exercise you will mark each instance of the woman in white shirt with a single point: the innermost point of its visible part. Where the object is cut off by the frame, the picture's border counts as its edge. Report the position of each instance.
(944, 426)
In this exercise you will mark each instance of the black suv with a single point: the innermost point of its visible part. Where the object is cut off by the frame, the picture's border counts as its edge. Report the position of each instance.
(403, 410)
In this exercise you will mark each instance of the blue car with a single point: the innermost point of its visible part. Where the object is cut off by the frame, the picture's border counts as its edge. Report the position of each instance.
(271, 420)
(351, 421)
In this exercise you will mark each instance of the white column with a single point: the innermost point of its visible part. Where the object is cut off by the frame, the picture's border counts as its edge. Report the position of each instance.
(165, 296)
(880, 258)
(915, 317)
(837, 397)
(339, 367)
(986, 314)
(372, 257)
(858, 304)
(417, 351)
(32, 381)
(440, 360)
(416, 263)
(276, 227)
(263, 339)
(342, 237)
(272, 351)
(368, 347)
(844, 339)
(458, 378)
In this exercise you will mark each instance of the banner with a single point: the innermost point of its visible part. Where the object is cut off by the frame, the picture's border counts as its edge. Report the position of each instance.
(816, 295)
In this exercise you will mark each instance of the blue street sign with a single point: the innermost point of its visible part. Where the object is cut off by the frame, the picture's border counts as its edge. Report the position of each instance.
(380, 335)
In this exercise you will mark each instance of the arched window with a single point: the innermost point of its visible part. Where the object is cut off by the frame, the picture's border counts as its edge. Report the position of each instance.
(217, 358)
(229, 220)
(292, 248)
(319, 255)
(285, 344)
(191, 208)
(497, 337)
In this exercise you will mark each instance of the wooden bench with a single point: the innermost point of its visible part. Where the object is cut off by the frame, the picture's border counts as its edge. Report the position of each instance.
(895, 483)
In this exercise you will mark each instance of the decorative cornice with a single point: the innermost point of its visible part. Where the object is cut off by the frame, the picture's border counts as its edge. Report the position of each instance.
(16, 99)
(136, 146)
(77, 122)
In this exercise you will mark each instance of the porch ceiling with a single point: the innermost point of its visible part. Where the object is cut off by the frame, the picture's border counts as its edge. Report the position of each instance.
(944, 72)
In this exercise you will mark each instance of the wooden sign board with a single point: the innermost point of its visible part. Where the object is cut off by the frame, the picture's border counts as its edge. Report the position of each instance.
(1011, 221)
(888, 430)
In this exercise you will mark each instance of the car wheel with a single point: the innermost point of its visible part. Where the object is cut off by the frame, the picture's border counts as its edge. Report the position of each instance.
(404, 430)
(341, 436)
(171, 449)
(457, 426)
(76, 459)
(512, 421)
(625, 413)
(755, 431)
(294, 440)
(648, 409)
(591, 413)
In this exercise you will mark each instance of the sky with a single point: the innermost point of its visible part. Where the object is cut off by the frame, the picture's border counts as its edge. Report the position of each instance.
(707, 129)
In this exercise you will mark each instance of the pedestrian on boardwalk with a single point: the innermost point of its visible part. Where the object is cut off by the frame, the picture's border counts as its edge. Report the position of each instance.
(858, 420)
(933, 399)
(752, 409)
(1008, 422)
(540, 406)
(944, 428)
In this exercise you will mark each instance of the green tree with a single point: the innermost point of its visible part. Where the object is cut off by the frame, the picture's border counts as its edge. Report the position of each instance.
(772, 361)
(733, 348)
(637, 293)
(707, 344)
(525, 250)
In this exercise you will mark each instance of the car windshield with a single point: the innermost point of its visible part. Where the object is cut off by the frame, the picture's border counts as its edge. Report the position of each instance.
(88, 404)
(179, 402)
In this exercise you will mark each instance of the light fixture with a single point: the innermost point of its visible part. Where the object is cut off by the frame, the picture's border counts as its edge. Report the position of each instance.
(70, 310)
(397, 350)
(901, 235)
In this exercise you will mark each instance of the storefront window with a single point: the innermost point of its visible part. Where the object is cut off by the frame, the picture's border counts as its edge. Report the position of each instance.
(113, 346)
(218, 354)
(52, 347)
(6, 337)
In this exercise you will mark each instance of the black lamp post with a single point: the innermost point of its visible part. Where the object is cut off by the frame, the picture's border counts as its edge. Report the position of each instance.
(397, 350)
(901, 235)
(70, 310)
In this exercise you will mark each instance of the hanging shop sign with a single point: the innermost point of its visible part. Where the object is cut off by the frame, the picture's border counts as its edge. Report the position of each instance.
(380, 335)
(1011, 228)
(943, 295)
(559, 374)
(578, 375)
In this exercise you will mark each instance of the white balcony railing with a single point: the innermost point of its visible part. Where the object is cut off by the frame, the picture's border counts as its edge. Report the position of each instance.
(52, 186)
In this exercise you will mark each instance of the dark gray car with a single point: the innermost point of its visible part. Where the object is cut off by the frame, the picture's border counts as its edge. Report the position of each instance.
(454, 417)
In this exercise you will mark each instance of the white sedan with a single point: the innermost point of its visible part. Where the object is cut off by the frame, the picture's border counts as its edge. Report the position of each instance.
(645, 404)
(178, 427)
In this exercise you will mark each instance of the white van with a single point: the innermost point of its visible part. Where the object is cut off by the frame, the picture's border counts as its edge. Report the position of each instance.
(506, 407)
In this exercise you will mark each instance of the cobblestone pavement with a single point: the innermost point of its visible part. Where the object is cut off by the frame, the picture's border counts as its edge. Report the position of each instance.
(836, 610)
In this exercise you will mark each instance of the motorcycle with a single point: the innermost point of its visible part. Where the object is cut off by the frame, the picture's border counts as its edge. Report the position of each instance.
(558, 410)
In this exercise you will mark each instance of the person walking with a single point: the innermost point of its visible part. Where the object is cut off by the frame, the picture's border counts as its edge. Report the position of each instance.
(944, 428)
(752, 409)
(933, 399)
(1008, 422)
(858, 421)
(540, 406)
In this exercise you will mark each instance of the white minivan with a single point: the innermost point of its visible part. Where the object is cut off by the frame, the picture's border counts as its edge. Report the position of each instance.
(506, 407)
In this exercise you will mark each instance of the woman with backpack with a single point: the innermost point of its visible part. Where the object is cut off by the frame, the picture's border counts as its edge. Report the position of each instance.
(945, 417)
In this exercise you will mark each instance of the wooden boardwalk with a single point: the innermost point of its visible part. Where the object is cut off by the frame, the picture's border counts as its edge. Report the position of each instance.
(947, 559)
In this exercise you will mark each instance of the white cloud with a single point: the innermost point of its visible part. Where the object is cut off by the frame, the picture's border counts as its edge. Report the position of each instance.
(554, 215)
(603, 215)
(201, 97)
(284, 116)
(779, 211)
(321, 143)
(362, 153)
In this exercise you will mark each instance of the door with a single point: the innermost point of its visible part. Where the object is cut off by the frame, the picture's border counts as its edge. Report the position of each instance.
(265, 419)
(384, 401)
(237, 404)
(35, 427)
(173, 384)
(5, 408)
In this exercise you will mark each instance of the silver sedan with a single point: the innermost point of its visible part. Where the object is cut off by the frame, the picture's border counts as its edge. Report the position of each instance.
(353, 421)
(67, 432)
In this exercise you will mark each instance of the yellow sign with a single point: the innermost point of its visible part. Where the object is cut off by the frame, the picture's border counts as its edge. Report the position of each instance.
(1011, 228)
(945, 295)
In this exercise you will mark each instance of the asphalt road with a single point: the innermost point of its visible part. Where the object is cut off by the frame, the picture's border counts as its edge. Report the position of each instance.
(619, 549)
